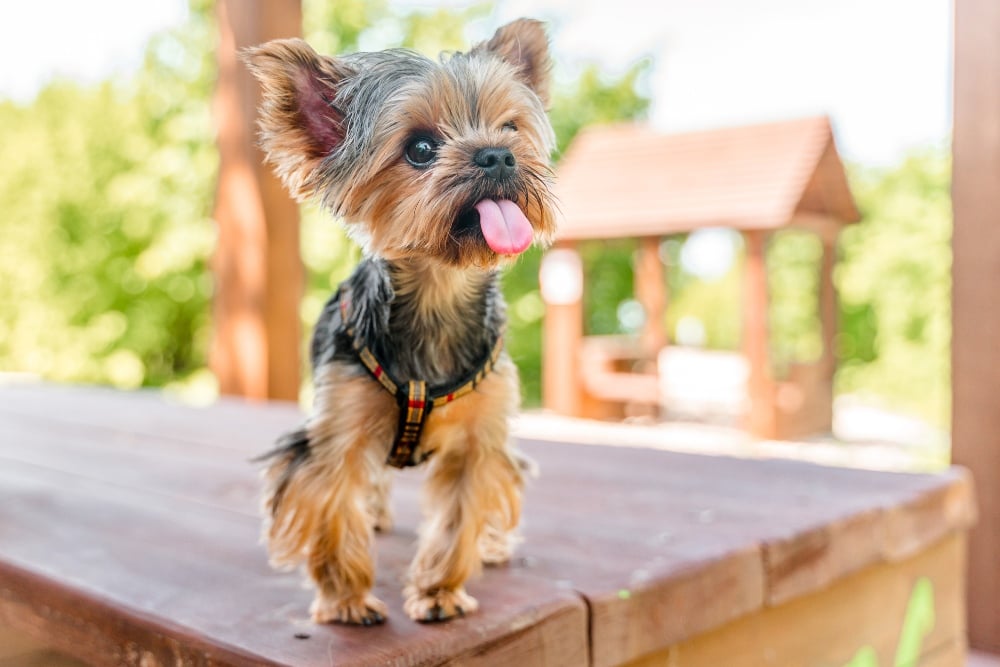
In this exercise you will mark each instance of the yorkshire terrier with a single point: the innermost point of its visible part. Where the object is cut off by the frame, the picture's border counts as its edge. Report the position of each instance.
(440, 171)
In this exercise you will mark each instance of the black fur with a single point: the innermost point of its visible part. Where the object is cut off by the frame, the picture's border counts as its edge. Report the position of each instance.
(393, 328)
(293, 450)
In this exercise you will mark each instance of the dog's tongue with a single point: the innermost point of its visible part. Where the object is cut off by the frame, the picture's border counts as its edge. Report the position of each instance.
(505, 228)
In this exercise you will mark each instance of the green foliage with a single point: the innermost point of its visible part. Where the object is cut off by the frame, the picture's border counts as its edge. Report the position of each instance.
(105, 232)
(609, 283)
(524, 326)
(440, 29)
(716, 304)
(895, 287)
(793, 261)
(596, 99)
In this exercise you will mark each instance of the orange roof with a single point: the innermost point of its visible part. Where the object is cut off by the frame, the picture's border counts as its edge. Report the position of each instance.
(628, 180)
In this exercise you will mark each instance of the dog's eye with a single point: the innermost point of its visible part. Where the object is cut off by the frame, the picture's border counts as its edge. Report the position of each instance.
(421, 151)
(510, 126)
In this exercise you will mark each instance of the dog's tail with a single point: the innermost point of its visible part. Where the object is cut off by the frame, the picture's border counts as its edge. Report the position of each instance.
(290, 452)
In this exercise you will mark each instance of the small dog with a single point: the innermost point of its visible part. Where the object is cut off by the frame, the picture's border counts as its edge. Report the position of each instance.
(440, 171)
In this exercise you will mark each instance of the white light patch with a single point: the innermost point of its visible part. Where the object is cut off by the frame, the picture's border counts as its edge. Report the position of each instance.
(709, 253)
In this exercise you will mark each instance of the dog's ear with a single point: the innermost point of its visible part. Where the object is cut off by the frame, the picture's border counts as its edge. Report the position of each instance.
(523, 44)
(299, 122)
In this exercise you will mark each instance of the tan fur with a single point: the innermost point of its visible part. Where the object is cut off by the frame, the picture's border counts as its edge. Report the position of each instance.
(331, 137)
(326, 516)
(335, 499)
(278, 65)
(436, 293)
(421, 207)
(474, 481)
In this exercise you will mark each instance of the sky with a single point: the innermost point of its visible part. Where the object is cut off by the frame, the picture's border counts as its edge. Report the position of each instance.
(879, 68)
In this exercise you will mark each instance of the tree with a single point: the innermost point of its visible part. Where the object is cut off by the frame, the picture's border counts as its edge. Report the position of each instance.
(106, 232)
(895, 286)
(107, 193)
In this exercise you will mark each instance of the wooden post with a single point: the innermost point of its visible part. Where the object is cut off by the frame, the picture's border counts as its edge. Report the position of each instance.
(976, 285)
(258, 272)
(760, 386)
(828, 308)
(651, 292)
(561, 280)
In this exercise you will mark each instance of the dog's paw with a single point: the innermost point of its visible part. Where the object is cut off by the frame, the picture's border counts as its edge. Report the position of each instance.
(437, 605)
(382, 521)
(358, 610)
(496, 546)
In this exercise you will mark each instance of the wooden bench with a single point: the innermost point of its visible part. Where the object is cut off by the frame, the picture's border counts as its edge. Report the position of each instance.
(129, 535)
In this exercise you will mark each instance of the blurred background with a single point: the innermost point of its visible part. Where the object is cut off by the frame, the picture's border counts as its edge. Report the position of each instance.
(108, 168)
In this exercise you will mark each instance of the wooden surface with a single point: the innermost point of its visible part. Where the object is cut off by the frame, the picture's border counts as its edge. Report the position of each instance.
(979, 659)
(258, 273)
(18, 650)
(911, 609)
(128, 527)
(976, 317)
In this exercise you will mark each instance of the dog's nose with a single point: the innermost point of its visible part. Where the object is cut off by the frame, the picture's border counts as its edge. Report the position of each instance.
(497, 162)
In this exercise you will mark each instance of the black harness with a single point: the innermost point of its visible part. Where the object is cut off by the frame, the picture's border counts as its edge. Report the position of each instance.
(415, 398)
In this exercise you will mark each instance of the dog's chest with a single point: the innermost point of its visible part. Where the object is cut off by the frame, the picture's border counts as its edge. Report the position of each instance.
(437, 347)
(442, 321)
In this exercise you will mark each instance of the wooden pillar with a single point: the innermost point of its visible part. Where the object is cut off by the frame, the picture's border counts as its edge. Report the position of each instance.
(651, 292)
(976, 308)
(258, 272)
(828, 307)
(561, 279)
(756, 344)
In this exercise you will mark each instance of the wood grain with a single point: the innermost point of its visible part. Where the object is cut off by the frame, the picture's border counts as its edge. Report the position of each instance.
(137, 518)
(257, 269)
(831, 626)
(976, 318)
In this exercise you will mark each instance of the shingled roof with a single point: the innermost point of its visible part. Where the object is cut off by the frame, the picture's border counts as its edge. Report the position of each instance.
(630, 181)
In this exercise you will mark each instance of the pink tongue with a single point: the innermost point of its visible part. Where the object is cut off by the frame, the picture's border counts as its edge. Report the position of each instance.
(504, 226)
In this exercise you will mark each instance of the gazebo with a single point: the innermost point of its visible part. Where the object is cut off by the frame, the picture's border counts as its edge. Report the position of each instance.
(629, 181)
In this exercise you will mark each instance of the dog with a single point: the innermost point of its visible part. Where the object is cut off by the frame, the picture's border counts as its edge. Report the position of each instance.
(440, 170)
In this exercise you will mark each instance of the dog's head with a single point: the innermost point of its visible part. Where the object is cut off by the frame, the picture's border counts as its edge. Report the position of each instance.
(448, 159)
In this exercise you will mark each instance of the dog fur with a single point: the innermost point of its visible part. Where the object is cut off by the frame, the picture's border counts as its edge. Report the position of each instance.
(425, 300)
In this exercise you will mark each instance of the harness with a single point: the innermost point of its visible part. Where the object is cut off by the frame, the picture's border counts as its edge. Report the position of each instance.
(415, 398)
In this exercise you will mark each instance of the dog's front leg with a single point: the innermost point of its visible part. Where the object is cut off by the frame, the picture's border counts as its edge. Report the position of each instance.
(340, 559)
(319, 502)
(474, 482)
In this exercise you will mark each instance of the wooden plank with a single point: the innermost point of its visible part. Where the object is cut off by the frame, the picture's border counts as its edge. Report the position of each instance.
(258, 273)
(121, 576)
(980, 659)
(224, 425)
(953, 654)
(19, 650)
(638, 534)
(16, 650)
(863, 614)
(976, 319)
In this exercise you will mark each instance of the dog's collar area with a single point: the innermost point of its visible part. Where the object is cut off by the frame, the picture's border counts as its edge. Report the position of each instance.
(415, 398)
